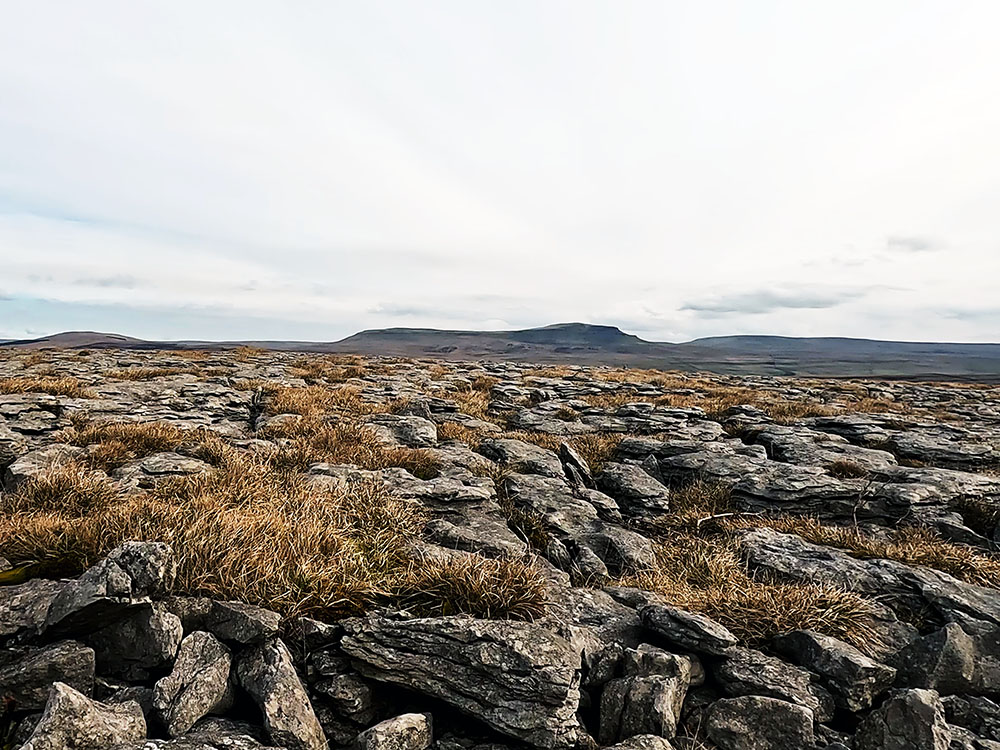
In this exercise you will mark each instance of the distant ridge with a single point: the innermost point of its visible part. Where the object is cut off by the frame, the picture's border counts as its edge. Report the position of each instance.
(585, 344)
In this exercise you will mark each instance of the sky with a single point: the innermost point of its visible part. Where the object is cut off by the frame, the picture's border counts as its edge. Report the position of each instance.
(305, 170)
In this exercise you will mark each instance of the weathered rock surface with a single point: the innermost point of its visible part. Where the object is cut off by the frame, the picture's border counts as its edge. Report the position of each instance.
(754, 722)
(25, 679)
(198, 685)
(909, 720)
(72, 720)
(519, 679)
(268, 675)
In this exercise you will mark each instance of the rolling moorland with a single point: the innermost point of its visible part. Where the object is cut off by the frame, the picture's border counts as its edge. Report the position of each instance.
(243, 548)
(578, 343)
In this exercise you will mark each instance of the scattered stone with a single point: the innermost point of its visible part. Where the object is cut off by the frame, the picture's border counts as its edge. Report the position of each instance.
(198, 685)
(518, 678)
(754, 722)
(853, 678)
(72, 720)
(405, 732)
(688, 630)
(139, 645)
(266, 672)
(908, 720)
(25, 681)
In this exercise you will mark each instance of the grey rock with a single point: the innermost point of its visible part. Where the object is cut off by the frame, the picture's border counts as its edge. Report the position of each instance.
(908, 720)
(37, 462)
(23, 607)
(138, 645)
(636, 492)
(749, 672)
(754, 722)
(266, 672)
(241, 623)
(411, 431)
(198, 685)
(404, 732)
(944, 660)
(575, 465)
(72, 720)
(853, 678)
(975, 713)
(25, 681)
(687, 630)
(643, 742)
(520, 679)
(522, 457)
(648, 699)
(127, 578)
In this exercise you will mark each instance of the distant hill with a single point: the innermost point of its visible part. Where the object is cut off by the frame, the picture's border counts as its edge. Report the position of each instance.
(580, 343)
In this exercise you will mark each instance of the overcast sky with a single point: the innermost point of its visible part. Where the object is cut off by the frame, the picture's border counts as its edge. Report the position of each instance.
(304, 170)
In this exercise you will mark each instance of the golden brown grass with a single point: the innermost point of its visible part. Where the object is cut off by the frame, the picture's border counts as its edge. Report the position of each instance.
(596, 448)
(307, 441)
(120, 442)
(329, 369)
(457, 431)
(470, 584)
(253, 532)
(55, 386)
(472, 402)
(70, 489)
(911, 545)
(247, 353)
(706, 575)
(148, 373)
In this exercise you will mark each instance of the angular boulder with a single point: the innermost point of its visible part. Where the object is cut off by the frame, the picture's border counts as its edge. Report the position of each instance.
(266, 672)
(26, 681)
(405, 732)
(198, 685)
(908, 720)
(519, 679)
(754, 722)
(72, 720)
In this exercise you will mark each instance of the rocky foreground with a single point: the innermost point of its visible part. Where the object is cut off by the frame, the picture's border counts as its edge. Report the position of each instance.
(248, 550)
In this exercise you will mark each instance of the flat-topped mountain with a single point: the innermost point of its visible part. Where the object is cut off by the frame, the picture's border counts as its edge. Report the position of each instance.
(585, 344)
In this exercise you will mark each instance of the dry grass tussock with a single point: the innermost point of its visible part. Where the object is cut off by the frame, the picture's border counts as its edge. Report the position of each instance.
(699, 567)
(911, 545)
(329, 369)
(71, 489)
(148, 373)
(706, 575)
(309, 440)
(117, 443)
(55, 386)
(844, 469)
(472, 401)
(253, 532)
(506, 587)
(982, 516)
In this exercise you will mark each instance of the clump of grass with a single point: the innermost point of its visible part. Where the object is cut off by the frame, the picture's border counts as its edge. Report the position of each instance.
(506, 587)
(980, 515)
(54, 386)
(69, 489)
(253, 532)
(328, 369)
(307, 441)
(473, 402)
(596, 448)
(911, 545)
(117, 443)
(457, 431)
(566, 414)
(845, 469)
(247, 353)
(148, 373)
(701, 498)
(484, 383)
(707, 576)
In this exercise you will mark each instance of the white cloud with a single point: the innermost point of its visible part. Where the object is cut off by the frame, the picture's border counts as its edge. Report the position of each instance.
(456, 164)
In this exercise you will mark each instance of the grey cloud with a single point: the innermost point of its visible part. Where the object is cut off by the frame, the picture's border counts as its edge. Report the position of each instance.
(109, 282)
(911, 244)
(767, 300)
